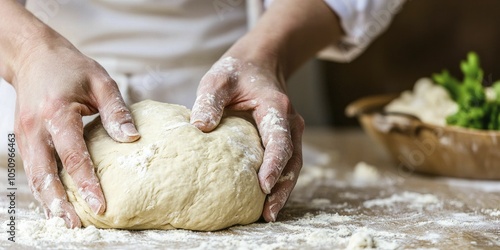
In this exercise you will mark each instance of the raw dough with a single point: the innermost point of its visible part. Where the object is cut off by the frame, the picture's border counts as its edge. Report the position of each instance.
(175, 176)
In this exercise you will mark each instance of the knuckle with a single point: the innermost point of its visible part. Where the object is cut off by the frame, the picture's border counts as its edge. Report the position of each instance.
(216, 81)
(282, 99)
(26, 122)
(49, 108)
(299, 123)
(73, 161)
(107, 87)
(111, 99)
(107, 92)
(209, 103)
(116, 110)
(106, 80)
(36, 182)
(285, 101)
(100, 75)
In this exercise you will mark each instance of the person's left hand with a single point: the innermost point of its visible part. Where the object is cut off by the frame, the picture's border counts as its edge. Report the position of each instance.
(256, 87)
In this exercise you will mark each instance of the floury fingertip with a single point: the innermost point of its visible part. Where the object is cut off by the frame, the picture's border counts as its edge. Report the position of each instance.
(95, 205)
(273, 214)
(268, 184)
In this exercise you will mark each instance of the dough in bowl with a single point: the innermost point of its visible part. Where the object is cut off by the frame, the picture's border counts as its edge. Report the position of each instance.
(174, 176)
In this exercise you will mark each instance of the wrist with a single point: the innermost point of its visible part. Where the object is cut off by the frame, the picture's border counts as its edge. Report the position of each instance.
(260, 52)
(285, 43)
(28, 43)
(22, 35)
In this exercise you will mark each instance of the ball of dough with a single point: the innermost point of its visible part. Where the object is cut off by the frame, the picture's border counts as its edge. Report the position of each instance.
(174, 176)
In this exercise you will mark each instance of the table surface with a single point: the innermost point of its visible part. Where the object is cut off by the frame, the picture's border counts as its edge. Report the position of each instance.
(332, 207)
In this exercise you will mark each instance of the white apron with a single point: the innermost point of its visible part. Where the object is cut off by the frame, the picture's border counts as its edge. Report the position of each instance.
(160, 49)
(153, 49)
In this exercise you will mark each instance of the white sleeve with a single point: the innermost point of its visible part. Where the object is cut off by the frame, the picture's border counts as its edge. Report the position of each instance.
(362, 21)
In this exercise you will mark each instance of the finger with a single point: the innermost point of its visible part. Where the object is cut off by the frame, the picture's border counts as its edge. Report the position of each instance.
(115, 115)
(285, 184)
(43, 180)
(75, 158)
(207, 112)
(276, 138)
(215, 91)
(210, 102)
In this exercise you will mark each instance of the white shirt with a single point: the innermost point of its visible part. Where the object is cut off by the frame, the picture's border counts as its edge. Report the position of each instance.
(362, 21)
(160, 49)
(154, 49)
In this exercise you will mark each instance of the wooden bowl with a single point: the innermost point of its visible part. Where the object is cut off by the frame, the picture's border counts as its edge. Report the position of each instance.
(427, 148)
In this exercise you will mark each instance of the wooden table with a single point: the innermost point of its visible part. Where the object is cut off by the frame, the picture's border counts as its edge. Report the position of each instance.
(332, 207)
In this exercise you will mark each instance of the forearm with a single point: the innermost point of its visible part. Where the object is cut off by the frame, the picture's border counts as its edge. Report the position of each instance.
(21, 32)
(291, 32)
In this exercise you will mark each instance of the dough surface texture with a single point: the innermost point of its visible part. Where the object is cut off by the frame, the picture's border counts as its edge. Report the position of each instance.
(174, 176)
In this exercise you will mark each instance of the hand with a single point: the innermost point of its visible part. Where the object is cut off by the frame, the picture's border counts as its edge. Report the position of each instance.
(56, 85)
(241, 85)
(251, 76)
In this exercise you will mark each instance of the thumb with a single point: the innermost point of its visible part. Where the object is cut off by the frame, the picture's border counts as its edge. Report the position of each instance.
(207, 111)
(115, 115)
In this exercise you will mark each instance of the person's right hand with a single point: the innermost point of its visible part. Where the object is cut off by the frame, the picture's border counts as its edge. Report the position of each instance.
(56, 85)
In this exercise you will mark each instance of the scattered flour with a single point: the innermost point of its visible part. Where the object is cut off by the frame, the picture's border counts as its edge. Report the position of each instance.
(462, 220)
(433, 238)
(414, 200)
(485, 186)
(457, 204)
(349, 195)
(314, 156)
(491, 212)
(312, 231)
(360, 240)
(55, 229)
(366, 174)
(321, 224)
(315, 175)
(316, 170)
(325, 218)
(320, 202)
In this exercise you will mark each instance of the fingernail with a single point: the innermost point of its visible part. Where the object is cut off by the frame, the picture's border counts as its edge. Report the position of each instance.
(273, 213)
(94, 204)
(273, 216)
(200, 125)
(68, 222)
(129, 130)
(197, 123)
(46, 213)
